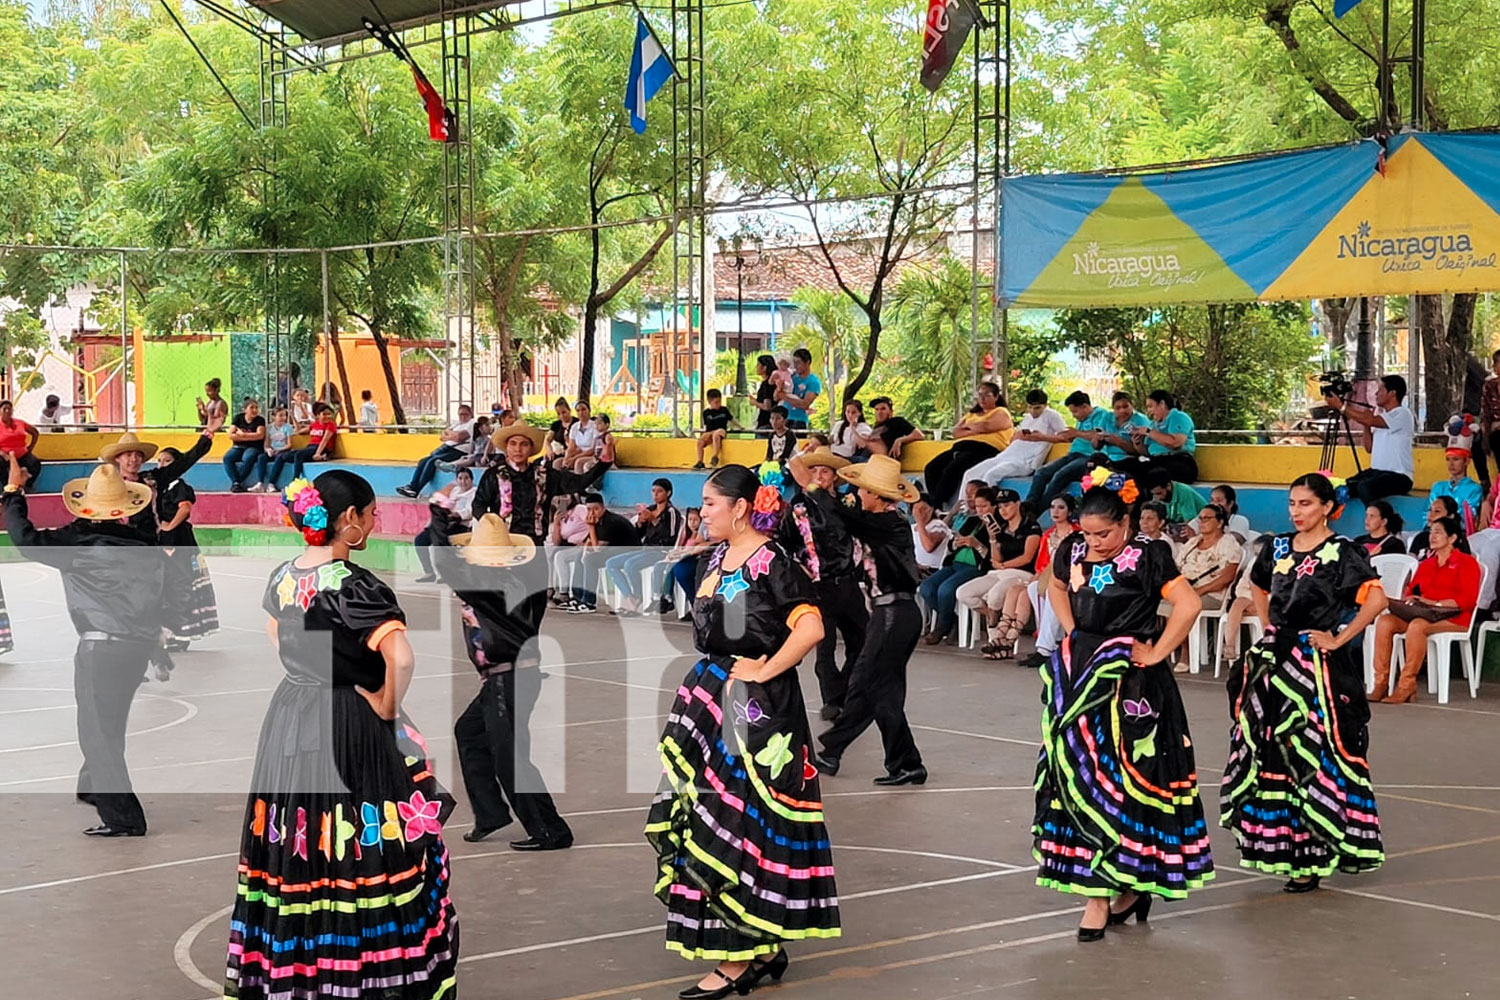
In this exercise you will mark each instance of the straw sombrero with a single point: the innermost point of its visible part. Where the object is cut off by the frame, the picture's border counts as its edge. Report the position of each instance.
(127, 442)
(823, 456)
(492, 544)
(105, 496)
(881, 475)
(535, 435)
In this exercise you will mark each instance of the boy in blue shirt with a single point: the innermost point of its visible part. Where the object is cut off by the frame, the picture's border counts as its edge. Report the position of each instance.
(1467, 493)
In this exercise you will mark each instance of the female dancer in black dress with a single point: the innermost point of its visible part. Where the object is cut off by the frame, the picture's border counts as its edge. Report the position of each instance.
(343, 874)
(744, 858)
(1297, 790)
(1117, 809)
(191, 610)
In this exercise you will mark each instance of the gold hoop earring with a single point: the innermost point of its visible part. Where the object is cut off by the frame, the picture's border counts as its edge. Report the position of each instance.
(344, 530)
(737, 525)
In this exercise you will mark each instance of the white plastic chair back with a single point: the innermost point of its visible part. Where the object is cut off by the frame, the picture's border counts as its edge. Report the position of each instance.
(1395, 572)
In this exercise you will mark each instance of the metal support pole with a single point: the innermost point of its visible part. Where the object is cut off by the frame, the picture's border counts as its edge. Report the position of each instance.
(1364, 345)
(327, 325)
(125, 381)
(741, 383)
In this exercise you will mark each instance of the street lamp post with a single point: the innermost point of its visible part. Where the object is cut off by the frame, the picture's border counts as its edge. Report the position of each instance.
(736, 246)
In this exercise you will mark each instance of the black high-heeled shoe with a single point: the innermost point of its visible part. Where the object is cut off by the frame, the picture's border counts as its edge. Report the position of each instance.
(1091, 933)
(1140, 909)
(775, 966)
(1297, 888)
(742, 985)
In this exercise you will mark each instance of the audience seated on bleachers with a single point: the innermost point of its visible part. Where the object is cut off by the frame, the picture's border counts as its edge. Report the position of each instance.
(1393, 430)
(890, 432)
(450, 511)
(1040, 429)
(658, 526)
(1167, 447)
(982, 433)
(457, 443)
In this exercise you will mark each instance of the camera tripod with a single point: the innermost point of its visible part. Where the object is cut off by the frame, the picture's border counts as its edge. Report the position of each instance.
(1338, 421)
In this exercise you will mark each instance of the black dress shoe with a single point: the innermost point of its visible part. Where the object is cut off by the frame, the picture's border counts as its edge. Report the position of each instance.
(910, 776)
(825, 764)
(1297, 888)
(830, 713)
(743, 985)
(1091, 933)
(533, 844)
(105, 830)
(477, 834)
(1140, 909)
(775, 966)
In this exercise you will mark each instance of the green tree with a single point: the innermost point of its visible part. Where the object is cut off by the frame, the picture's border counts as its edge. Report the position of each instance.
(838, 130)
(1230, 366)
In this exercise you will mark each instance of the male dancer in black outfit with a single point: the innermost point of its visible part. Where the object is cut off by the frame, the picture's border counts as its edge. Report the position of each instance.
(813, 532)
(532, 486)
(503, 589)
(112, 581)
(877, 680)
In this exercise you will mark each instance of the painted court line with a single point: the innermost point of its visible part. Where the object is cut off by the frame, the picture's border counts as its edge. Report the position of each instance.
(188, 716)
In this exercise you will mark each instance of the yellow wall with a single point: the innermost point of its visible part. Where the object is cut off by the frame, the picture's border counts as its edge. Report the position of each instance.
(1274, 465)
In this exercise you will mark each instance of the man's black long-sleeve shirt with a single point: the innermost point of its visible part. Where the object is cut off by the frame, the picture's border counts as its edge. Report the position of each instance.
(146, 520)
(532, 491)
(815, 533)
(111, 573)
(503, 607)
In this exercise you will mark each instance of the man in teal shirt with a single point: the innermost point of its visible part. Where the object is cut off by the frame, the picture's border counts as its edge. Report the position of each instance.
(1183, 503)
(1166, 448)
(1053, 479)
(1467, 493)
(1113, 439)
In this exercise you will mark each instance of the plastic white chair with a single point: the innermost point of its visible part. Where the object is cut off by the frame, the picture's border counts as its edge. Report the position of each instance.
(1252, 623)
(1440, 656)
(1395, 573)
(968, 627)
(1198, 636)
(1239, 523)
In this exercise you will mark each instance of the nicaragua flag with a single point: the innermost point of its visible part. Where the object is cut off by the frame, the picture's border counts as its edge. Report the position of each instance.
(650, 69)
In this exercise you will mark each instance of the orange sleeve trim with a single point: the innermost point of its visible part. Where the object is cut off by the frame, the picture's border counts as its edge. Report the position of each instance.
(1364, 591)
(1170, 584)
(383, 630)
(799, 612)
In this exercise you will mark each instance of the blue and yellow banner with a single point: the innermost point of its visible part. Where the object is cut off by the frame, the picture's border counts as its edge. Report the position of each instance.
(1420, 215)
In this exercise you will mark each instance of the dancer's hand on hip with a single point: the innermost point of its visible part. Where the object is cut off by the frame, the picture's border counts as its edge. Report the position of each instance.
(748, 670)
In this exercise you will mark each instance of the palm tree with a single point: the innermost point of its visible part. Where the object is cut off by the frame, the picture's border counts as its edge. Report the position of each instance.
(931, 312)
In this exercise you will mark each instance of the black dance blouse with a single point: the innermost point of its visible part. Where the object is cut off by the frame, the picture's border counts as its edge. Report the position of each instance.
(750, 611)
(1116, 597)
(331, 620)
(1312, 590)
(167, 500)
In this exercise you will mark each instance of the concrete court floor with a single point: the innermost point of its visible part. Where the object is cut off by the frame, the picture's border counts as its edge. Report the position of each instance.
(938, 897)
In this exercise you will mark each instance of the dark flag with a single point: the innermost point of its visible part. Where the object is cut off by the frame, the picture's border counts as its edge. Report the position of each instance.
(442, 123)
(948, 25)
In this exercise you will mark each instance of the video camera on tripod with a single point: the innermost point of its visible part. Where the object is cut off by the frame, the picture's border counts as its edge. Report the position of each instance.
(1337, 384)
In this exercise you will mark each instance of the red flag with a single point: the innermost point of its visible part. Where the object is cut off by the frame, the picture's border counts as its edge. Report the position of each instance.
(442, 124)
(948, 25)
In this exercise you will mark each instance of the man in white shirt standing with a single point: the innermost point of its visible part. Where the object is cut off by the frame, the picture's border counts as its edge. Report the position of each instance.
(458, 442)
(1393, 428)
(54, 414)
(1040, 429)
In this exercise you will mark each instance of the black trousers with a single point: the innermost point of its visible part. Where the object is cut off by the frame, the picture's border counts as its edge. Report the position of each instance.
(29, 462)
(877, 687)
(844, 614)
(494, 753)
(105, 676)
(1486, 444)
(1377, 484)
(1181, 467)
(944, 475)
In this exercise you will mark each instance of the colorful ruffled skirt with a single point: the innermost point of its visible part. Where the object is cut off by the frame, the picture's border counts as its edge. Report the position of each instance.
(343, 873)
(1297, 790)
(7, 640)
(743, 854)
(190, 607)
(1117, 806)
